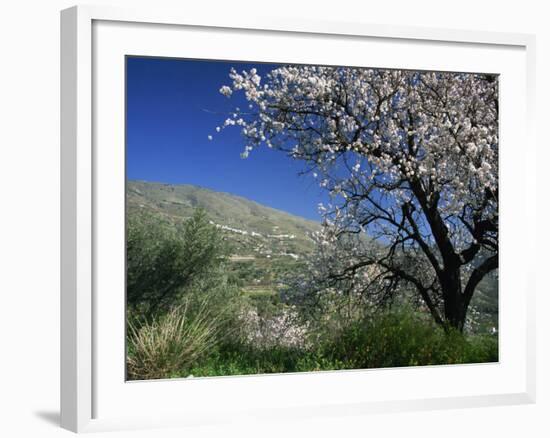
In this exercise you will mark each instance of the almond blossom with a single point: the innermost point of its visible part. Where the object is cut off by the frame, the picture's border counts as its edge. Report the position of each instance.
(409, 158)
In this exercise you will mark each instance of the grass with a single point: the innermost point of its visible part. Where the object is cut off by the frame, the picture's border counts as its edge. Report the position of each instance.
(163, 346)
(393, 339)
(255, 291)
(231, 360)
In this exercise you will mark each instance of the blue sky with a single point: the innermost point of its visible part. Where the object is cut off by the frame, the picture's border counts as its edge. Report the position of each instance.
(173, 105)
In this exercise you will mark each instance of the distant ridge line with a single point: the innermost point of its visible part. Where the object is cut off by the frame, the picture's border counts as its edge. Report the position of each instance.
(241, 198)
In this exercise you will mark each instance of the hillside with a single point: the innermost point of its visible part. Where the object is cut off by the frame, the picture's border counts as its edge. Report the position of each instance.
(233, 214)
(264, 242)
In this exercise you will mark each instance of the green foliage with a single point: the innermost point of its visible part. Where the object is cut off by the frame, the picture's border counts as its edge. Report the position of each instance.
(163, 262)
(405, 338)
(181, 303)
(236, 359)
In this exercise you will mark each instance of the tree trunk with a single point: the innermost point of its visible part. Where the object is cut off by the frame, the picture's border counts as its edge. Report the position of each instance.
(453, 299)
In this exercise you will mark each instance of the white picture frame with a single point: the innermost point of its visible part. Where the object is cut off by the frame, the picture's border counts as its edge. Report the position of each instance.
(92, 36)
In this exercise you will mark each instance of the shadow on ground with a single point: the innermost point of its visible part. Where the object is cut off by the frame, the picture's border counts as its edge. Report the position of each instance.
(51, 417)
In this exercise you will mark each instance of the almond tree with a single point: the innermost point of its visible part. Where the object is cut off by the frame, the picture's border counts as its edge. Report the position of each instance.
(409, 158)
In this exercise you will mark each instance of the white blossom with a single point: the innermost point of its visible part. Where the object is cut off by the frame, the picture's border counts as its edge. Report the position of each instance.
(388, 146)
(226, 91)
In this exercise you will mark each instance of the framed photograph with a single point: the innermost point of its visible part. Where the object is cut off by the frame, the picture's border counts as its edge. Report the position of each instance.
(286, 218)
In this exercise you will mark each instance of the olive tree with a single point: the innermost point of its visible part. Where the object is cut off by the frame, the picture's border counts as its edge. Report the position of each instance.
(166, 261)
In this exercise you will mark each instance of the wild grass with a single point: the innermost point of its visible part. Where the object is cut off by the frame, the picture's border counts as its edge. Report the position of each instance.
(162, 347)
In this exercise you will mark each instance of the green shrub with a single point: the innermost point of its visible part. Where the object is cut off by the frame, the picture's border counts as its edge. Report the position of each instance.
(161, 348)
(164, 260)
(405, 338)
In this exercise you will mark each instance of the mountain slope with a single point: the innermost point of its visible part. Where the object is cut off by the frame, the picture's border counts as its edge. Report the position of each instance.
(252, 229)
(231, 210)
